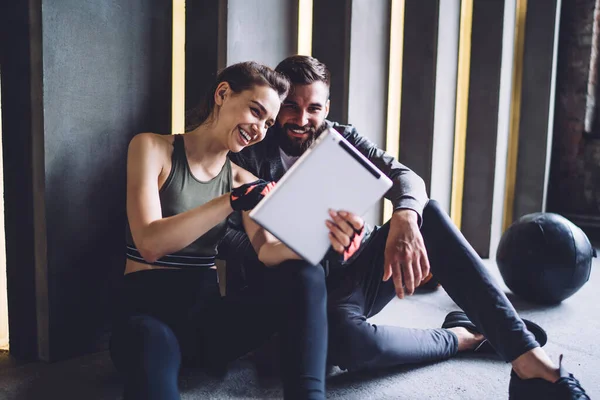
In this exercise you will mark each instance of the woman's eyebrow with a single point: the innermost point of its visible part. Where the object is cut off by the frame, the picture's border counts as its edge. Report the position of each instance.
(262, 108)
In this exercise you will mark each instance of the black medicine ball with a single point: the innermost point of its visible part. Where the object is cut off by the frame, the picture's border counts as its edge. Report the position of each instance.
(544, 258)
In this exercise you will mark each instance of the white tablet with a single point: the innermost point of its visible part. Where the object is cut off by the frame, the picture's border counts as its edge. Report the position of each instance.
(332, 174)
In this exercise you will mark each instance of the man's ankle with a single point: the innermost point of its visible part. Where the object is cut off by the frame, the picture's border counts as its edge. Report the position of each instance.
(467, 340)
(535, 364)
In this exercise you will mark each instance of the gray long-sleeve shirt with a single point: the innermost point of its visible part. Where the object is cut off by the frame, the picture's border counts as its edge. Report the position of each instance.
(408, 190)
(264, 161)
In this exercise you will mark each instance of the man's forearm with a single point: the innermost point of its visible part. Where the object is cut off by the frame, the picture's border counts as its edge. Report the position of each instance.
(408, 190)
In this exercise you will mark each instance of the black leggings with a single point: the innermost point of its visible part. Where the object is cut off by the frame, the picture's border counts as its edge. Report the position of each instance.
(177, 316)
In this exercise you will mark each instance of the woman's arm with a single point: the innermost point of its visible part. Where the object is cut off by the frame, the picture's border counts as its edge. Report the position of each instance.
(155, 236)
(270, 250)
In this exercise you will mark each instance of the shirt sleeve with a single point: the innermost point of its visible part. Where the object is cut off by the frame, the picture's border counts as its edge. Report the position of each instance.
(408, 190)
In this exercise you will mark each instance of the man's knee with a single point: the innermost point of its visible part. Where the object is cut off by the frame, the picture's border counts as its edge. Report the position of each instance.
(352, 341)
(433, 207)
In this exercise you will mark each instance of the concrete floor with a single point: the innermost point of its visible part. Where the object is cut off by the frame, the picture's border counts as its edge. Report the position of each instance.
(572, 329)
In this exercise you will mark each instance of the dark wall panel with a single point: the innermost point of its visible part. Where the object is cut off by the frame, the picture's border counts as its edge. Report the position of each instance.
(418, 86)
(535, 107)
(331, 45)
(482, 123)
(201, 49)
(107, 76)
(16, 69)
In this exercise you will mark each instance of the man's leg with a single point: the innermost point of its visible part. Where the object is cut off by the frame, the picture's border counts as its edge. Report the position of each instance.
(358, 293)
(465, 278)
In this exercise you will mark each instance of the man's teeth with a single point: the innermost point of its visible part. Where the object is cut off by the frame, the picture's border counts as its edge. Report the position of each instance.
(245, 135)
(299, 131)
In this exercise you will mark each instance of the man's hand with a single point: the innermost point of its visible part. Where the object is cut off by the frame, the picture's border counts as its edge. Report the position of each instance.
(405, 256)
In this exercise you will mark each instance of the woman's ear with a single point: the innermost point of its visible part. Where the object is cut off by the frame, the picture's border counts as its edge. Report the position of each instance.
(221, 93)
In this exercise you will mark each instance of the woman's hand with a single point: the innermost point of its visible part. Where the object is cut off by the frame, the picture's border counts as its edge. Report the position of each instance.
(247, 196)
(346, 231)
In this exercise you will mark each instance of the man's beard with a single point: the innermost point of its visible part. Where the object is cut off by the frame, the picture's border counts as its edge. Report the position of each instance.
(296, 148)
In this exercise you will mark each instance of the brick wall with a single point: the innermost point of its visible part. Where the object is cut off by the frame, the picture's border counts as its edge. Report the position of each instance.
(574, 186)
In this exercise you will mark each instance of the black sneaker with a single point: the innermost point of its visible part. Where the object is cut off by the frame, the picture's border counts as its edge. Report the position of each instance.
(566, 388)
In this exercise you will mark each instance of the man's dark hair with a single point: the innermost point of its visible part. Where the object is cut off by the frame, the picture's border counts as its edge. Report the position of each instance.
(304, 70)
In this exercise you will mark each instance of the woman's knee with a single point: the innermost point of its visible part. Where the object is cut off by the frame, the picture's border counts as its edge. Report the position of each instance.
(303, 274)
(144, 340)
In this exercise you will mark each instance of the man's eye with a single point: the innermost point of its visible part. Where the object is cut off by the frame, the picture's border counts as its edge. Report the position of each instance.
(314, 110)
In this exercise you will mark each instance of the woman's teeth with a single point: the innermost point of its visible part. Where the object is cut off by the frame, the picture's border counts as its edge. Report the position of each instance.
(245, 135)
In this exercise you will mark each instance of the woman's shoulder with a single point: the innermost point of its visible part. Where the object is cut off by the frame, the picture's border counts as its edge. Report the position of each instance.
(152, 139)
(240, 175)
(151, 143)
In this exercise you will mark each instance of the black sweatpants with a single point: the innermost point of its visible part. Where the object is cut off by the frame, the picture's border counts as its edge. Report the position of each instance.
(357, 292)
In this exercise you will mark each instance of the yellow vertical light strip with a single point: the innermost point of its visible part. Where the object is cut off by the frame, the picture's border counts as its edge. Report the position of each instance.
(515, 114)
(392, 141)
(178, 71)
(462, 109)
(305, 22)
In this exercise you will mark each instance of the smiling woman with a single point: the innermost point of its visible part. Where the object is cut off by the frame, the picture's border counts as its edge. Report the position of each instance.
(180, 191)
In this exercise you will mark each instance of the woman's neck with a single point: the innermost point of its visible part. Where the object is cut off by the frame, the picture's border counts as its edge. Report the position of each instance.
(205, 146)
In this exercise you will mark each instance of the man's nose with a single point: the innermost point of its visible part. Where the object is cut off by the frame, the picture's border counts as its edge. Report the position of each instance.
(301, 118)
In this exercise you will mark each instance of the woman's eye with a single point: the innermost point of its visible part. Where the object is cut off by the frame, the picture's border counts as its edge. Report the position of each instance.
(255, 111)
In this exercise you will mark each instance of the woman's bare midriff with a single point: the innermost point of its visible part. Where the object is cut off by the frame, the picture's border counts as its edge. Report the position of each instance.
(134, 266)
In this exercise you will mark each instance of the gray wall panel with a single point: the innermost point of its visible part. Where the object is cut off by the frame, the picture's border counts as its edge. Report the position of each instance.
(265, 31)
(107, 76)
(368, 78)
(445, 103)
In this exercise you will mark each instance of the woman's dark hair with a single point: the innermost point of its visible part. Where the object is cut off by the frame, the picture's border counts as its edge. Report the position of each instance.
(304, 70)
(241, 76)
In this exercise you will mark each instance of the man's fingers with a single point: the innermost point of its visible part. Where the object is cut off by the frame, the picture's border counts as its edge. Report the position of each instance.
(425, 268)
(342, 223)
(387, 270)
(342, 237)
(353, 220)
(398, 279)
(408, 277)
(418, 274)
(335, 243)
